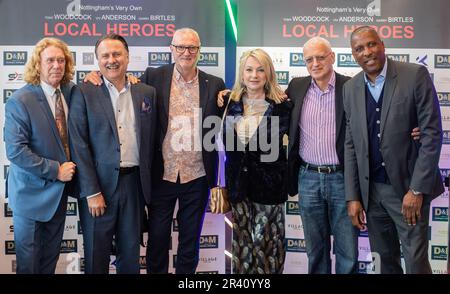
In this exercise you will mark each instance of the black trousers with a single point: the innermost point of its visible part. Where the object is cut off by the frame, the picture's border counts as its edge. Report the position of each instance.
(192, 199)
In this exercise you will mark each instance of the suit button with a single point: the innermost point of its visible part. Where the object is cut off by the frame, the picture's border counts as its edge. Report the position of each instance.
(367, 155)
(118, 149)
(116, 168)
(367, 178)
(383, 164)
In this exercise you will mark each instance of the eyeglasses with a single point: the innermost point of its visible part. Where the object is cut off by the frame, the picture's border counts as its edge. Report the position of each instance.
(181, 49)
(319, 58)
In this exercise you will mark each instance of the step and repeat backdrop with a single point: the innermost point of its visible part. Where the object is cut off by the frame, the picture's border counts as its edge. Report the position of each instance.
(413, 31)
(148, 27)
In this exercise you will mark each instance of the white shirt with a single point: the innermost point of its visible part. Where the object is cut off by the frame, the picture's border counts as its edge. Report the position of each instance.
(50, 94)
(122, 103)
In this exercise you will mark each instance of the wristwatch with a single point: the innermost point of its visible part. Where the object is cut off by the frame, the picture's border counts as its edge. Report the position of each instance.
(415, 193)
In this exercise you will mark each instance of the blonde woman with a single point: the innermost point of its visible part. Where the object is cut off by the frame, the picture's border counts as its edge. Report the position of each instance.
(257, 118)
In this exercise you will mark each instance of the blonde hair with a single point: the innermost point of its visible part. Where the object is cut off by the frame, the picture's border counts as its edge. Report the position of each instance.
(271, 88)
(32, 68)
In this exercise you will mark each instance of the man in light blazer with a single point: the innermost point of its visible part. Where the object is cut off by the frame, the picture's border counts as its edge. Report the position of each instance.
(41, 170)
(113, 129)
(389, 176)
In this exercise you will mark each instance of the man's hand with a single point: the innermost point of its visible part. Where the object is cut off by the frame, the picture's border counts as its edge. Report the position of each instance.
(96, 205)
(133, 80)
(415, 134)
(94, 77)
(412, 204)
(356, 213)
(220, 97)
(66, 171)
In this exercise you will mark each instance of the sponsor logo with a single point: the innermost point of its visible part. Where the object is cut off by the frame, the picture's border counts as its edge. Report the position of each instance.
(69, 245)
(11, 228)
(346, 60)
(439, 252)
(7, 93)
(446, 137)
(159, 58)
(440, 214)
(88, 58)
(292, 208)
(71, 209)
(79, 230)
(296, 59)
(208, 59)
(5, 171)
(15, 57)
(15, 77)
(209, 241)
(442, 61)
(364, 267)
(295, 227)
(444, 98)
(422, 60)
(136, 73)
(277, 58)
(10, 247)
(206, 260)
(142, 263)
(74, 57)
(363, 232)
(69, 227)
(295, 245)
(7, 212)
(282, 77)
(175, 225)
(399, 57)
(82, 264)
(81, 74)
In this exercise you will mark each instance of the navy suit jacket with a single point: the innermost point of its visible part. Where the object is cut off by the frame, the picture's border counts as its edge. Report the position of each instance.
(161, 79)
(35, 150)
(95, 143)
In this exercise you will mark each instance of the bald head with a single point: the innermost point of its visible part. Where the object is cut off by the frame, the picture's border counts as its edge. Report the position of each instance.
(315, 42)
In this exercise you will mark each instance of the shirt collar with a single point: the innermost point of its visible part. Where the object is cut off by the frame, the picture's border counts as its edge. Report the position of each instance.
(331, 82)
(381, 76)
(48, 90)
(178, 76)
(109, 84)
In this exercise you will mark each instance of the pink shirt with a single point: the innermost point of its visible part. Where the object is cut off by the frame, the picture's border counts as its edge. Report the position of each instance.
(318, 125)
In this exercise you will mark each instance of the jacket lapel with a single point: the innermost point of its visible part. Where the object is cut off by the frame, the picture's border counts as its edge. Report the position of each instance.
(48, 113)
(360, 98)
(296, 111)
(105, 101)
(203, 91)
(339, 104)
(389, 88)
(137, 104)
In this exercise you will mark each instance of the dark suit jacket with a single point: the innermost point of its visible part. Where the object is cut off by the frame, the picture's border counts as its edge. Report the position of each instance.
(296, 91)
(161, 79)
(247, 175)
(35, 150)
(95, 141)
(409, 100)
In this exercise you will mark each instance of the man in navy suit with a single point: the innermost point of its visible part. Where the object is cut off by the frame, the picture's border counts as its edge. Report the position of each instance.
(181, 172)
(37, 146)
(112, 131)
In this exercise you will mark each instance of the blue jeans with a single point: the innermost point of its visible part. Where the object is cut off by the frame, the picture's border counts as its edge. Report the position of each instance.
(324, 213)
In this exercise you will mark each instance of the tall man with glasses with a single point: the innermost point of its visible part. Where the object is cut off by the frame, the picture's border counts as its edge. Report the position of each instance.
(316, 156)
(182, 170)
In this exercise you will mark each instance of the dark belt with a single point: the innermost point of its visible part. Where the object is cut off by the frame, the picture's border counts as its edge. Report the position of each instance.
(128, 170)
(323, 169)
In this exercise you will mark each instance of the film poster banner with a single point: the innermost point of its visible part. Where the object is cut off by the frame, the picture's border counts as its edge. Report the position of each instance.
(412, 30)
(148, 27)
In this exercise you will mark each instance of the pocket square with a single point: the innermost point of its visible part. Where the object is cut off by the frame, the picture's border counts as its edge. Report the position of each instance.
(146, 105)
